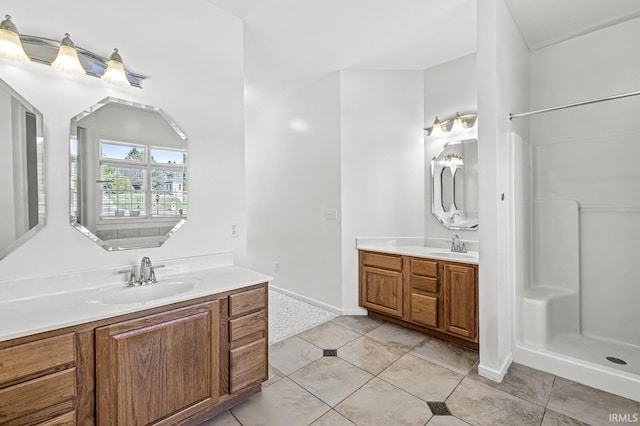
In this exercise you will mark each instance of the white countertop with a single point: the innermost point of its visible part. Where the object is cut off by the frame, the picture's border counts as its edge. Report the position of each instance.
(410, 247)
(30, 315)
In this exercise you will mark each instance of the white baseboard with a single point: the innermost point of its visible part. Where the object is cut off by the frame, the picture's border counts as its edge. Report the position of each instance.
(493, 374)
(354, 311)
(314, 302)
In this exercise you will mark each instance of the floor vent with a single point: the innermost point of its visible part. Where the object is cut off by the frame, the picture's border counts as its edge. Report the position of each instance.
(439, 408)
(329, 352)
(615, 360)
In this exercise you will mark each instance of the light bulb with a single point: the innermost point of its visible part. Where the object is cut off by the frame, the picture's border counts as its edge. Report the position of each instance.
(67, 60)
(10, 44)
(115, 73)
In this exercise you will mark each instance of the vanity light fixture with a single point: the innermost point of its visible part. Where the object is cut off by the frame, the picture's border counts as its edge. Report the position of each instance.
(10, 44)
(458, 123)
(67, 60)
(64, 56)
(115, 73)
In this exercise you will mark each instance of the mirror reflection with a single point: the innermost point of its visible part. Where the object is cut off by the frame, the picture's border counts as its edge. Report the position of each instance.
(21, 170)
(454, 173)
(128, 175)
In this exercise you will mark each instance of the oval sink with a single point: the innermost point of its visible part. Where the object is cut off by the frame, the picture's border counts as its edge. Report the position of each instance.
(452, 255)
(143, 293)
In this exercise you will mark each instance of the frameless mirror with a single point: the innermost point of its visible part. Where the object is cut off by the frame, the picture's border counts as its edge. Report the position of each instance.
(21, 170)
(128, 176)
(454, 174)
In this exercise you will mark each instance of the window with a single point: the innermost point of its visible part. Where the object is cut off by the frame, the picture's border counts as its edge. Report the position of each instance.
(141, 181)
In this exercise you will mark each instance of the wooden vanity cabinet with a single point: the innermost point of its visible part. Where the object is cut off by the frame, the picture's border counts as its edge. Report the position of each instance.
(382, 283)
(248, 342)
(176, 364)
(460, 300)
(433, 296)
(38, 381)
(158, 369)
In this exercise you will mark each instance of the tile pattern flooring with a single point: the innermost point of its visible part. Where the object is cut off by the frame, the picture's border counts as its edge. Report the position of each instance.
(388, 375)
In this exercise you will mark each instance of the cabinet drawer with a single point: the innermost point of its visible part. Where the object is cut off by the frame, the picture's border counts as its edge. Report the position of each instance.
(247, 301)
(68, 419)
(384, 261)
(29, 359)
(248, 364)
(29, 397)
(427, 268)
(424, 310)
(429, 285)
(247, 325)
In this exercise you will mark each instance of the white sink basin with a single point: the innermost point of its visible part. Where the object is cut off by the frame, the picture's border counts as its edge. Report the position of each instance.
(144, 293)
(453, 256)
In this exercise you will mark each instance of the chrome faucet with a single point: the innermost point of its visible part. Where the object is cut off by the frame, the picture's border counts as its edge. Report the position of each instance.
(146, 275)
(145, 271)
(457, 246)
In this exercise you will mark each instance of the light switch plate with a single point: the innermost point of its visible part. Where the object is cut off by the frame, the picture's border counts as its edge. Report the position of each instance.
(331, 214)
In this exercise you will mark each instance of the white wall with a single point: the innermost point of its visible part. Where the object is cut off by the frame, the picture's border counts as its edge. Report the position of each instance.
(382, 163)
(195, 77)
(448, 88)
(590, 154)
(503, 74)
(293, 176)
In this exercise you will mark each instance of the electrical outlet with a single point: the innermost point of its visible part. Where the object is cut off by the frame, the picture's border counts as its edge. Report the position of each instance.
(276, 266)
(233, 230)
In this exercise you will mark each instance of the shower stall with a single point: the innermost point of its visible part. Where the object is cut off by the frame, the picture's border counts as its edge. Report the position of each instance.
(576, 228)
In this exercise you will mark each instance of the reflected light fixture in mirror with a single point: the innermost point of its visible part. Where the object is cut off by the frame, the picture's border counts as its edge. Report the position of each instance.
(67, 60)
(10, 44)
(454, 160)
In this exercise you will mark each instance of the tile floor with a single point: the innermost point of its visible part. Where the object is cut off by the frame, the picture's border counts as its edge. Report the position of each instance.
(387, 375)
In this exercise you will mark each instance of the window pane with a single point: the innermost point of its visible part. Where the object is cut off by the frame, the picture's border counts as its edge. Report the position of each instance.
(122, 152)
(169, 193)
(122, 192)
(168, 157)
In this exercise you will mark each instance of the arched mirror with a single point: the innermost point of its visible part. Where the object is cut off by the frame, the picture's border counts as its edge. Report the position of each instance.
(128, 175)
(21, 170)
(454, 173)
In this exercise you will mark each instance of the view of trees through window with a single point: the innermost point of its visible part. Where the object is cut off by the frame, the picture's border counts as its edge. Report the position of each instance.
(138, 184)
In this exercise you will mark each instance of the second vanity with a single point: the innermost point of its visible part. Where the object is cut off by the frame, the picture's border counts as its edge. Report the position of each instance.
(426, 288)
(86, 357)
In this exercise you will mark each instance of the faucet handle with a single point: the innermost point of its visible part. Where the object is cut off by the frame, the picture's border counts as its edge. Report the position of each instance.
(152, 275)
(133, 281)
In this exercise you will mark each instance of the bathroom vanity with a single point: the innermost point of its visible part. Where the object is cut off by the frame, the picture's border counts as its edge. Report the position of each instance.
(426, 289)
(164, 362)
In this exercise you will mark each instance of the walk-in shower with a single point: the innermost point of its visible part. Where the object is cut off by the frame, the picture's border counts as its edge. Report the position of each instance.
(576, 227)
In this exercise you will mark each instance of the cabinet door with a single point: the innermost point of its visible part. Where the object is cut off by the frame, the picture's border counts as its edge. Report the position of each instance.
(460, 300)
(382, 290)
(158, 369)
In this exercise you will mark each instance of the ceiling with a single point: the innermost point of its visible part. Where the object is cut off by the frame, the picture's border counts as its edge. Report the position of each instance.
(546, 22)
(289, 43)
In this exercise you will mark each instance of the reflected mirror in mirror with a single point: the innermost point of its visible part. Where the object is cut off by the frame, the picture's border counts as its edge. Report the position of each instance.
(21, 170)
(128, 175)
(454, 174)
